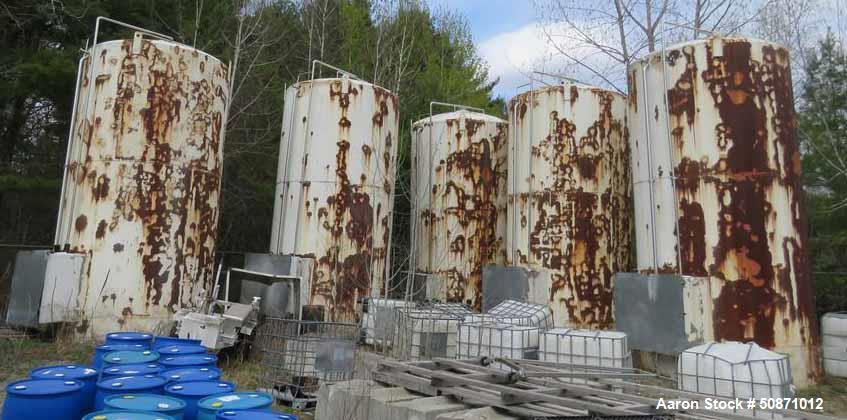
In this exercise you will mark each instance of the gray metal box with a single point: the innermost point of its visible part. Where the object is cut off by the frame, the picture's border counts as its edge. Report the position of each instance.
(277, 298)
(27, 286)
(663, 313)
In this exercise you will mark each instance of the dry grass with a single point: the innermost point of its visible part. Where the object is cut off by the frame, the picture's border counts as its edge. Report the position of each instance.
(834, 394)
(20, 355)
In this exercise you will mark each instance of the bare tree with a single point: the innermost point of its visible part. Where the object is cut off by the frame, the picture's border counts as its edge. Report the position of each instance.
(599, 39)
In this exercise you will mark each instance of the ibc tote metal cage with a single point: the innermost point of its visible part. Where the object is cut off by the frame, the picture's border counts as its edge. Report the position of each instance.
(705, 370)
(428, 331)
(299, 356)
(497, 340)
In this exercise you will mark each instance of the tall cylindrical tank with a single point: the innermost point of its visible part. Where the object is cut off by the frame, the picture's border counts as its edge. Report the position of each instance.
(568, 198)
(335, 184)
(459, 180)
(140, 196)
(716, 168)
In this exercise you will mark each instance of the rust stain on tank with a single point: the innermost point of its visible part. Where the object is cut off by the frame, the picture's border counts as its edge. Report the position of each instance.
(579, 225)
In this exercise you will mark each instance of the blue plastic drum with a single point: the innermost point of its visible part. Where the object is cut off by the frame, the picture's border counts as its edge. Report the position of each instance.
(138, 369)
(129, 337)
(54, 399)
(197, 360)
(129, 357)
(193, 391)
(160, 404)
(208, 408)
(126, 415)
(192, 374)
(100, 351)
(84, 374)
(174, 341)
(181, 350)
(254, 415)
(147, 384)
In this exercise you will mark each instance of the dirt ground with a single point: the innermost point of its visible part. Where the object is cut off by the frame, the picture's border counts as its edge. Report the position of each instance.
(20, 355)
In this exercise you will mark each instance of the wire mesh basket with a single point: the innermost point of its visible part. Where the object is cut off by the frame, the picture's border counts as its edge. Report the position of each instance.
(477, 339)
(585, 348)
(519, 313)
(735, 370)
(299, 356)
(428, 331)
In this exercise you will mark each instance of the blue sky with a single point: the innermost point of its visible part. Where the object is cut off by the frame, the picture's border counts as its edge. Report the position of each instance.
(506, 36)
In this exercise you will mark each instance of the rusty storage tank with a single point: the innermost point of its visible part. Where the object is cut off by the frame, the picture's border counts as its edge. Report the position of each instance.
(459, 180)
(142, 180)
(716, 167)
(335, 185)
(568, 198)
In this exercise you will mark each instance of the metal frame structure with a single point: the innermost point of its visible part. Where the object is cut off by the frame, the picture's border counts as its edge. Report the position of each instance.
(300, 356)
(476, 339)
(585, 348)
(523, 313)
(742, 381)
(428, 331)
(536, 389)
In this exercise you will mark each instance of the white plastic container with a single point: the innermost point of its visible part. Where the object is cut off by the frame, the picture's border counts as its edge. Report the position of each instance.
(834, 343)
(378, 321)
(498, 340)
(734, 370)
(426, 333)
(585, 347)
(521, 313)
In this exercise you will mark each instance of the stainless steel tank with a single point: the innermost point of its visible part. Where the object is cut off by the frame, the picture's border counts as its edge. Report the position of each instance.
(716, 168)
(140, 195)
(568, 198)
(335, 185)
(459, 185)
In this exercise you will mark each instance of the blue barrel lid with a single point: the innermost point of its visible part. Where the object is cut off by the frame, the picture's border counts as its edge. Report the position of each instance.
(236, 401)
(181, 349)
(133, 369)
(120, 347)
(44, 386)
(63, 372)
(144, 402)
(162, 341)
(194, 373)
(128, 336)
(128, 357)
(126, 415)
(189, 360)
(199, 388)
(254, 415)
(131, 383)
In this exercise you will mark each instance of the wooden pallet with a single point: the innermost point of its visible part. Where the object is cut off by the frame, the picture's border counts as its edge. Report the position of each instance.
(536, 389)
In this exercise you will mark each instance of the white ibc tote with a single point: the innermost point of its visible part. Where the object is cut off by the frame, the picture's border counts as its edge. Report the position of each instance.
(427, 332)
(734, 370)
(497, 340)
(585, 347)
(519, 313)
(379, 318)
(834, 342)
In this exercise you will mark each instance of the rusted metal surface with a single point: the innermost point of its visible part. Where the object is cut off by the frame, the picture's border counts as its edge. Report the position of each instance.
(142, 181)
(568, 198)
(334, 187)
(459, 184)
(715, 151)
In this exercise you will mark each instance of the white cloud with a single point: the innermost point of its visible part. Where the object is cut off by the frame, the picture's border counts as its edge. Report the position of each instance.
(512, 55)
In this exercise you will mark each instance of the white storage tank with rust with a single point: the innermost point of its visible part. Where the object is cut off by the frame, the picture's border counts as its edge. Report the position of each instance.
(335, 186)
(459, 206)
(568, 198)
(143, 176)
(718, 194)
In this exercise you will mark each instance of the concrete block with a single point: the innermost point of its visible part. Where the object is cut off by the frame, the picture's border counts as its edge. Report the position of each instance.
(427, 408)
(349, 400)
(486, 413)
